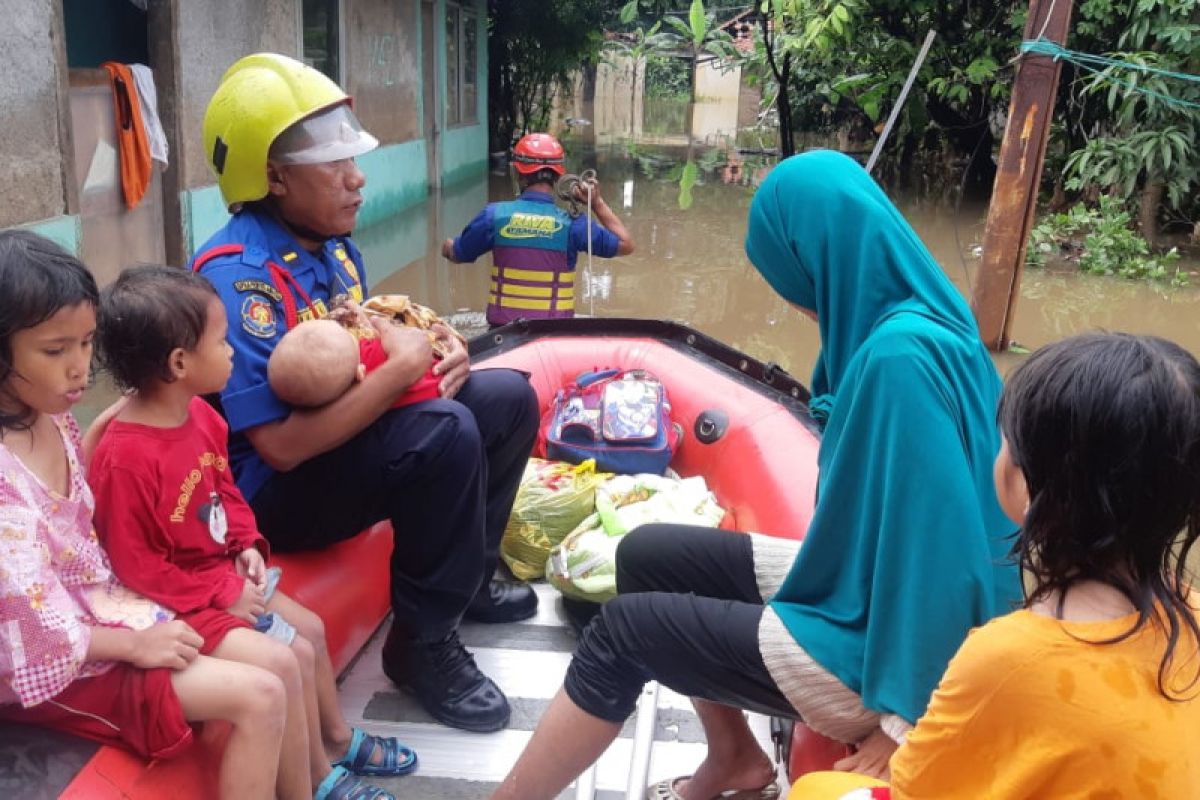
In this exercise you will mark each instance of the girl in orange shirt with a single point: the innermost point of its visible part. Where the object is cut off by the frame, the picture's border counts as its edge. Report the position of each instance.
(1091, 690)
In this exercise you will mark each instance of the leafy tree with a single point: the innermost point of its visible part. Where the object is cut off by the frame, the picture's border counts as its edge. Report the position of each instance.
(697, 38)
(1130, 133)
(849, 59)
(534, 48)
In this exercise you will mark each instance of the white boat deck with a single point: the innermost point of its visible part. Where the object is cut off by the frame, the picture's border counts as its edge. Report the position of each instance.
(528, 661)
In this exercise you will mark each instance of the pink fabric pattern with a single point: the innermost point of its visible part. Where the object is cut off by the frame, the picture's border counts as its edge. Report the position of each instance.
(55, 581)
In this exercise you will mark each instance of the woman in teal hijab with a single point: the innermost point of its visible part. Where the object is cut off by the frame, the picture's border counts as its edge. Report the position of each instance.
(907, 547)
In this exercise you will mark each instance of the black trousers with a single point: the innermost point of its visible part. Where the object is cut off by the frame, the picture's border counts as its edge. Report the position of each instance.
(444, 472)
(686, 616)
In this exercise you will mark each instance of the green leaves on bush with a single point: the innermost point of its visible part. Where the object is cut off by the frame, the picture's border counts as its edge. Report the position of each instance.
(1101, 241)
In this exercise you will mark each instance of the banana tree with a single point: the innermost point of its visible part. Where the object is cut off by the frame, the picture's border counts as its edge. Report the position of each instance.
(699, 39)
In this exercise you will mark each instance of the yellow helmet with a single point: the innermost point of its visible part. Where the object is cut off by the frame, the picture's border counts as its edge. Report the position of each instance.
(260, 97)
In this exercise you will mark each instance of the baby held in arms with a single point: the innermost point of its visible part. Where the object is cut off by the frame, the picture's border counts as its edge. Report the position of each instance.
(318, 361)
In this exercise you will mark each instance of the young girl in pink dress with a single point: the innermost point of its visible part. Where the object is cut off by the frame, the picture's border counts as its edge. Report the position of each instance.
(78, 651)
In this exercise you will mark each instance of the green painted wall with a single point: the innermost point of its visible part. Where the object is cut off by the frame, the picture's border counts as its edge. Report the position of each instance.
(203, 212)
(396, 180)
(64, 231)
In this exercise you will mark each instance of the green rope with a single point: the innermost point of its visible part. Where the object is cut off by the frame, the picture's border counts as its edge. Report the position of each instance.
(1098, 64)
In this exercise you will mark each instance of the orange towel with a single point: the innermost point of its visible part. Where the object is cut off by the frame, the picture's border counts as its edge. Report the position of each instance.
(132, 141)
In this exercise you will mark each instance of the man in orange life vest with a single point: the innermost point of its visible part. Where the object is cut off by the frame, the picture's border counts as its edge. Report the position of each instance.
(534, 243)
(282, 139)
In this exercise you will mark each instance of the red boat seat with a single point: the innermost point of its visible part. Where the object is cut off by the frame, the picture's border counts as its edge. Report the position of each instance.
(812, 752)
(346, 584)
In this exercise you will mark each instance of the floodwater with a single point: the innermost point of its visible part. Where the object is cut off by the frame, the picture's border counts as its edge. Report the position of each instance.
(690, 267)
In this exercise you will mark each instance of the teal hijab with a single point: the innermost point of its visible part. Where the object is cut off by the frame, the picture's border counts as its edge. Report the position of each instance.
(907, 547)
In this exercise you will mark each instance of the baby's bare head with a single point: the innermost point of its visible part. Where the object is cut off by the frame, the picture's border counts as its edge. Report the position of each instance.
(313, 364)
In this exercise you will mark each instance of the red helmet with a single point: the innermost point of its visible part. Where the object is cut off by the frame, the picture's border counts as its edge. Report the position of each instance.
(538, 151)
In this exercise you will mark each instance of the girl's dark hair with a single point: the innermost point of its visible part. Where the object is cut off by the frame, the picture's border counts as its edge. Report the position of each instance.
(37, 280)
(146, 314)
(1105, 428)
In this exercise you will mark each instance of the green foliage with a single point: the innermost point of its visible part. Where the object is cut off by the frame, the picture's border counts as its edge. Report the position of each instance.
(1102, 241)
(1125, 131)
(687, 180)
(698, 35)
(668, 78)
(851, 57)
(534, 48)
(1120, 132)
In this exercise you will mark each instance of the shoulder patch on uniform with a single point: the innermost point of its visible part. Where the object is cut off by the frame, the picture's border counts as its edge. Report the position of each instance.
(258, 317)
(261, 287)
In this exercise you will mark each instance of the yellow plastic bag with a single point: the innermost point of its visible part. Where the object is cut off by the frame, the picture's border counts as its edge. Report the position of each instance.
(553, 498)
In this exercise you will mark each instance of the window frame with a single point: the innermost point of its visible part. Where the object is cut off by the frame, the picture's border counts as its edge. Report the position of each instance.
(467, 113)
(338, 7)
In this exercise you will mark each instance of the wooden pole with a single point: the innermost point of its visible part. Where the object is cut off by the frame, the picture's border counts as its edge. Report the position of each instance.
(1014, 195)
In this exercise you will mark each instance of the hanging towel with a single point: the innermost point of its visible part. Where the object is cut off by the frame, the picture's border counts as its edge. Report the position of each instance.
(148, 99)
(132, 142)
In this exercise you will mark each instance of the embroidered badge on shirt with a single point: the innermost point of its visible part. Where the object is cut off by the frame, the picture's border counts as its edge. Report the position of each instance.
(258, 317)
(262, 287)
(213, 513)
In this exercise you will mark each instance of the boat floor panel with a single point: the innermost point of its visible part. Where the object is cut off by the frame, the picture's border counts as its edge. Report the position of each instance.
(528, 660)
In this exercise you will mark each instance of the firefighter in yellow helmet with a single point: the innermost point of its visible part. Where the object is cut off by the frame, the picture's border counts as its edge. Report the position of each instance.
(282, 140)
(534, 243)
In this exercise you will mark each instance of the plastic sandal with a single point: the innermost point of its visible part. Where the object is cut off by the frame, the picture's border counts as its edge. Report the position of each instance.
(397, 759)
(665, 790)
(339, 784)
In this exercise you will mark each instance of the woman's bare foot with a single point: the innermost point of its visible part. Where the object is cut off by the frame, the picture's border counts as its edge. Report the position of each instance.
(751, 770)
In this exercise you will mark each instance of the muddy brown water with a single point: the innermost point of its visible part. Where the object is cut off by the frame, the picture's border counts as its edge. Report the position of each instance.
(690, 267)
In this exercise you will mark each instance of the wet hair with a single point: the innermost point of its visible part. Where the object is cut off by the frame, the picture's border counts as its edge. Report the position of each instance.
(146, 314)
(37, 280)
(1105, 428)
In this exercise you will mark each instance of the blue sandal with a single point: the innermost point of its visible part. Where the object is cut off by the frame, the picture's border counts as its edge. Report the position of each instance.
(396, 760)
(339, 784)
